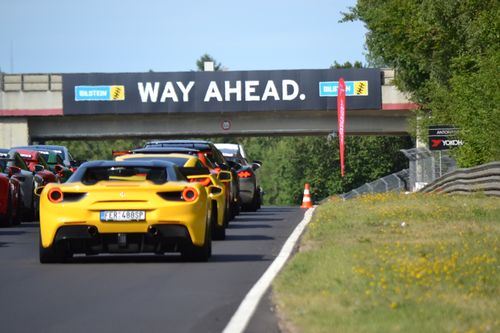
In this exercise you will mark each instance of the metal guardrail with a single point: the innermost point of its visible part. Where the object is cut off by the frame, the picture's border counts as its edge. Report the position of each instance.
(396, 182)
(484, 178)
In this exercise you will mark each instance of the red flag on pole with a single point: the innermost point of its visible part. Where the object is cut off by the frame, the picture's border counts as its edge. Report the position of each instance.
(341, 121)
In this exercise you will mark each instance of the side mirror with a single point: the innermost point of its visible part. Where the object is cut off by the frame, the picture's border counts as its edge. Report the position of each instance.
(39, 168)
(225, 176)
(214, 191)
(256, 165)
(58, 168)
(38, 190)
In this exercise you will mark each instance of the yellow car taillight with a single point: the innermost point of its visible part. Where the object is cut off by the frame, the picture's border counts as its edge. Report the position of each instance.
(55, 195)
(190, 194)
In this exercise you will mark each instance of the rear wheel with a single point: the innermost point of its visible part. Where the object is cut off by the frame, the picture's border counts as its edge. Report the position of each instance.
(6, 219)
(218, 232)
(16, 220)
(56, 253)
(200, 253)
(255, 204)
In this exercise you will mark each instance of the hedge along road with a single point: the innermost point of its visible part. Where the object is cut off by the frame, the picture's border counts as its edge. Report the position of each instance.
(141, 292)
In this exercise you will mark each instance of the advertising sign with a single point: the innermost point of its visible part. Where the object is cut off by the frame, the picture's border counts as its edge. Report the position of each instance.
(341, 120)
(443, 137)
(231, 91)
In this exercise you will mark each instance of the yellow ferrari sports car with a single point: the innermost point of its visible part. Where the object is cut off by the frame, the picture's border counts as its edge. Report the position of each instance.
(126, 207)
(193, 169)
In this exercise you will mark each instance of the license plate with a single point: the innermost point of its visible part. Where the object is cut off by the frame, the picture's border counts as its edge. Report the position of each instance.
(123, 215)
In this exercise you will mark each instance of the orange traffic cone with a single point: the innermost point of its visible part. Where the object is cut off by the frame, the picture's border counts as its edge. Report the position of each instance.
(306, 201)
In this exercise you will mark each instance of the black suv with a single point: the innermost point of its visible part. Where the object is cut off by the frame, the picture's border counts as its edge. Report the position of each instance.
(215, 158)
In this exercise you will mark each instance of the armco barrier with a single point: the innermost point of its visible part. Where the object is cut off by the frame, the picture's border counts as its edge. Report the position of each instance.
(396, 182)
(484, 178)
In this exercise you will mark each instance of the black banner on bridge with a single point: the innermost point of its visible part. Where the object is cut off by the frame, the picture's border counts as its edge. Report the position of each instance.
(180, 92)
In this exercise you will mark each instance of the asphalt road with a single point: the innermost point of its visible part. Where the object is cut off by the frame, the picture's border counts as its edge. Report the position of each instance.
(143, 293)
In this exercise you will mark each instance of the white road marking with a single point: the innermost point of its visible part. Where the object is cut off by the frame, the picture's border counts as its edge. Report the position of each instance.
(241, 317)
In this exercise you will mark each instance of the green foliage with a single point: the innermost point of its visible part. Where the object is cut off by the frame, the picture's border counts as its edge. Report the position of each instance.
(446, 54)
(290, 162)
(472, 103)
(200, 63)
(347, 64)
(97, 149)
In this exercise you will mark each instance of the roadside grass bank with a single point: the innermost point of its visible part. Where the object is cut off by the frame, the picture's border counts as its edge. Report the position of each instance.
(396, 263)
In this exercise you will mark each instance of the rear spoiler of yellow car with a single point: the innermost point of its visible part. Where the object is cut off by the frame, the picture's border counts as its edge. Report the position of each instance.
(187, 171)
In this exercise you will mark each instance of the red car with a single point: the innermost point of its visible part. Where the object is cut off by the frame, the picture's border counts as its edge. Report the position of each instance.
(10, 190)
(42, 174)
(37, 164)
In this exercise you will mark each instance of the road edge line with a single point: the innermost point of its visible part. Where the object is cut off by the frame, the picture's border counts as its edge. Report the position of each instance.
(246, 309)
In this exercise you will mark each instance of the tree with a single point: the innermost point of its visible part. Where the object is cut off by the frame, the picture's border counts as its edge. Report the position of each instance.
(289, 162)
(438, 49)
(347, 64)
(200, 63)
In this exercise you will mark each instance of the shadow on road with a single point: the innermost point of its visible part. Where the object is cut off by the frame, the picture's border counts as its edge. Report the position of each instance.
(137, 258)
(247, 237)
(237, 257)
(256, 219)
(168, 258)
(249, 226)
(11, 232)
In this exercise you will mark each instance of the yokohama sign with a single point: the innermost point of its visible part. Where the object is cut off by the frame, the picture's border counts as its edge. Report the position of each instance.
(443, 137)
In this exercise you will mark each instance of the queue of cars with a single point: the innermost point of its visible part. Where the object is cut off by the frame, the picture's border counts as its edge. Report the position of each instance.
(168, 196)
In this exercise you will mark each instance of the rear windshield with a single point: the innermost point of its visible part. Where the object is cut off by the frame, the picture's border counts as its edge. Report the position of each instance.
(157, 175)
(179, 161)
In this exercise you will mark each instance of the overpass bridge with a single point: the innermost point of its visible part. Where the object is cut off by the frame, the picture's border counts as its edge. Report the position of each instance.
(37, 107)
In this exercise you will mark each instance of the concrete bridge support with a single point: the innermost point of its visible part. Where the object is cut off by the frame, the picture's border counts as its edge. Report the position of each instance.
(13, 132)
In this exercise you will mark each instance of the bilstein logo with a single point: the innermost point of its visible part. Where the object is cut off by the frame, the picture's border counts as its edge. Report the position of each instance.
(352, 88)
(99, 93)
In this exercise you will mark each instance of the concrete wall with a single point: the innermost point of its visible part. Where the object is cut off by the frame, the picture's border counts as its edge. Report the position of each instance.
(13, 132)
(30, 94)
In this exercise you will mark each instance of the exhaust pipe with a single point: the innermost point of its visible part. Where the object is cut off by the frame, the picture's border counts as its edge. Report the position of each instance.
(92, 230)
(153, 231)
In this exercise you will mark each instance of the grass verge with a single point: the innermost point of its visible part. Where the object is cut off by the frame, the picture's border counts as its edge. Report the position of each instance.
(396, 263)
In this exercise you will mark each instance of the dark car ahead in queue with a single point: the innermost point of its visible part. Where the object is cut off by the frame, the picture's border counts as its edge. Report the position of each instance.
(250, 189)
(209, 154)
(62, 151)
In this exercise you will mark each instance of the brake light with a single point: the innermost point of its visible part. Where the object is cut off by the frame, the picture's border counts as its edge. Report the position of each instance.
(190, 194)
(245, 174)
(202, 181)
(120, 153)
(55, 195)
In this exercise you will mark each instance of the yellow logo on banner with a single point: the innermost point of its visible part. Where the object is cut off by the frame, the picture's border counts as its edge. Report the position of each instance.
(117, 93)
(361, 88)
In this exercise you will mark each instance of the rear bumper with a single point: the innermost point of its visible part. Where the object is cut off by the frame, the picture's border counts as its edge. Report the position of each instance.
(160, 238)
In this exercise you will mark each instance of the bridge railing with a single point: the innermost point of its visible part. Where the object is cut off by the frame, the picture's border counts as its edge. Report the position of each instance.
(30, 82)
(484, 178)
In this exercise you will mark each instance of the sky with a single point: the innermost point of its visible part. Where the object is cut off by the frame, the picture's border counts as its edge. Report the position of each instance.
(115, 36)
